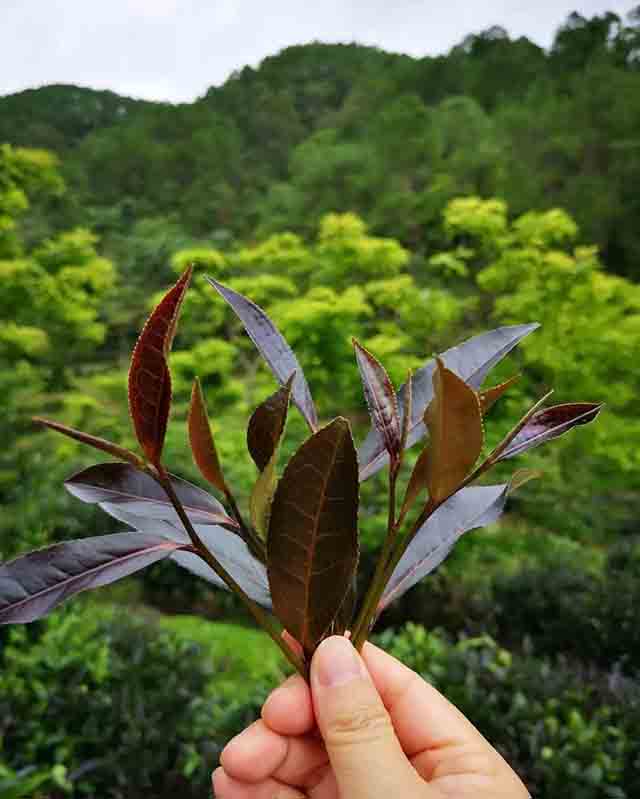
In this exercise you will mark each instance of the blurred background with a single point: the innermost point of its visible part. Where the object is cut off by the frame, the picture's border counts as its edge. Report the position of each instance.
(408, 180)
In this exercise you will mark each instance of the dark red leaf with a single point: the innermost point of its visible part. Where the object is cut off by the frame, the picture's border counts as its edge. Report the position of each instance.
(472, 360)
(490, 396)
(417, 483)
(267, 425)
(273, 348)
(149, 378)
(381, 401)
(550, 423)
(312, 548)
(201, 440)
(118, 485)
(93, 441)
(33, 584)
(454, 421)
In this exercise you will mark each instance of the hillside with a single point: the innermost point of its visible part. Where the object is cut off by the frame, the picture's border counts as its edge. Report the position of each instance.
(321, 128)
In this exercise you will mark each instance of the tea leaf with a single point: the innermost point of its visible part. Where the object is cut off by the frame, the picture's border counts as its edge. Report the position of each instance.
(345, 616)
(490, 396)
(93, 441)
(273, 348)
(522, 477)
(201, 440)
(472, 361)
(550, 423)
(32, 585)
(312, 549)
(471, 507)
(267, 425)
(417, 483)
(265, 430)
(406, 411)
(120, 486)
(149, 378)
(455, 432)
(381, 401)
(262, 496)
(230, 551)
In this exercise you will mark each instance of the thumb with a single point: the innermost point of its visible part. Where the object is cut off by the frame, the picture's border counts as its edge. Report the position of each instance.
(365, 754)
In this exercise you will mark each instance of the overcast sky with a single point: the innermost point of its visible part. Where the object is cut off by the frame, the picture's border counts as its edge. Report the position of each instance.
(175, 49)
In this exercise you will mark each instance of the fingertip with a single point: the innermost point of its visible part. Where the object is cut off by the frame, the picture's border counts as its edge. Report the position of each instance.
(288, 710)
(254, 754)
(218, 782)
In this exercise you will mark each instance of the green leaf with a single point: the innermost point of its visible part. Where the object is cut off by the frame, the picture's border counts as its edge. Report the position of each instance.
(266, 427)
(262, 496)
(454, 421)
(312, 549)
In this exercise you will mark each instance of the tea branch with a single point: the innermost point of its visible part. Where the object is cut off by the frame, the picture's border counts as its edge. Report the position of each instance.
(262, 618)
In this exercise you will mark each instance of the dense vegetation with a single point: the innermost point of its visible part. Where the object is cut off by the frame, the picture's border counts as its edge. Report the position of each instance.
(349, 191)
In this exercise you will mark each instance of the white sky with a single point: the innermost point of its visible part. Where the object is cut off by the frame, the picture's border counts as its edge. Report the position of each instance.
(175, 49)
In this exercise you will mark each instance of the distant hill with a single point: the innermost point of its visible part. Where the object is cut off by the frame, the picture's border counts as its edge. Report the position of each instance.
(324, 127)
(58, 116)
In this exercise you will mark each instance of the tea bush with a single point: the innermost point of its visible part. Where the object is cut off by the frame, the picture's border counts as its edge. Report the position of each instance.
(566, 601)
(105, 703)
(121, 707)
(567, 732)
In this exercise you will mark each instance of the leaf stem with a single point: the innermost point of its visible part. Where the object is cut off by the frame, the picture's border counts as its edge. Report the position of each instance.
(361, 626)
(387, 563)
(261, 617)
(255, 544)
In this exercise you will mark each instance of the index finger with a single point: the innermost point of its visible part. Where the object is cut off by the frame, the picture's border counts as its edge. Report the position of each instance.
(422, 717)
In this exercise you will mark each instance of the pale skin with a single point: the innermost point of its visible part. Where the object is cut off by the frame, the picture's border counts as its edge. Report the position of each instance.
(366, 727)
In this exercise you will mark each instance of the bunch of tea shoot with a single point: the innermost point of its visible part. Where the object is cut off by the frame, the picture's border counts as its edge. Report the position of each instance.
(293, 558)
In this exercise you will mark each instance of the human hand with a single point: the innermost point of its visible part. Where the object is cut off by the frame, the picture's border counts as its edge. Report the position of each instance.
(366, 727)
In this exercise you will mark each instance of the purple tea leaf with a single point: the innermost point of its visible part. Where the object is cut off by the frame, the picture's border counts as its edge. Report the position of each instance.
(33, 584)
(472, 361)
(381, 400)
(272, 346)
(230, 550)
(550, 423)
(118, 484)
(471, 507)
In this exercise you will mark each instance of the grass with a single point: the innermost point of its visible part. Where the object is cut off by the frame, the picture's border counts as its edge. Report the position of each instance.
(243, 656)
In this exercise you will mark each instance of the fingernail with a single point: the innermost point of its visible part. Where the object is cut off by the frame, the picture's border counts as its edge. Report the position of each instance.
(337, 662)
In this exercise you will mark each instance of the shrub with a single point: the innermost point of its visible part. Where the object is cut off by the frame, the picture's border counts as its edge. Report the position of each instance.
(122, 707)
(567, 734)
(111, 704)
(591, 617)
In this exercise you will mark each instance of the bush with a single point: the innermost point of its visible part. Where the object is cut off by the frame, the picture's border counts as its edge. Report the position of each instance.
(123, 707)
(562, 600)
(105, 703)
(566, 733)
(591, 617)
